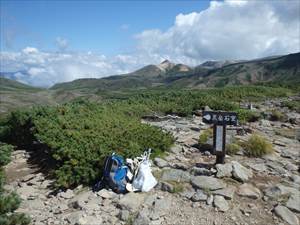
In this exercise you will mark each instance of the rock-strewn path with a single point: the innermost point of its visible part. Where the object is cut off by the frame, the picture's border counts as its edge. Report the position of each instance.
(191, 189)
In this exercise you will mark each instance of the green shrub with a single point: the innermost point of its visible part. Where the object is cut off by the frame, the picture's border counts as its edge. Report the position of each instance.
(232, 148)
(277, 116)
(9, 202)
(80, 135)
(292, 105)
(205, 135)
(257, 146)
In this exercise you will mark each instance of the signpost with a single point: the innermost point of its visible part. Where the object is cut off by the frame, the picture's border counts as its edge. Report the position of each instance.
(220, 120)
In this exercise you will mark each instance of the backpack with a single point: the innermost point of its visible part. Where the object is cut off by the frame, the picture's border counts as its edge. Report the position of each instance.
(114, 174)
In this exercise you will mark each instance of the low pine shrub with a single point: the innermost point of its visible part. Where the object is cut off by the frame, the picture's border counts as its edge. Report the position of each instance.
(9, 202)
(257, 146)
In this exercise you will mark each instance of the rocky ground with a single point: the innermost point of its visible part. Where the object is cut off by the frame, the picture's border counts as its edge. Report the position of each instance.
(191, 189)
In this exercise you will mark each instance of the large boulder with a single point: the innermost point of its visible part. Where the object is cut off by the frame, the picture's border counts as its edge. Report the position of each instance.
(240, 172)
(207, 183)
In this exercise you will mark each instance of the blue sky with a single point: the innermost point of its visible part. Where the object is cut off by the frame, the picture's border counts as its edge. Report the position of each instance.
(104, 26)
(47, 42)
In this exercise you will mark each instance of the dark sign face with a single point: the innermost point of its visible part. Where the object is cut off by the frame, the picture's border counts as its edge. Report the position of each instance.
(220, 118)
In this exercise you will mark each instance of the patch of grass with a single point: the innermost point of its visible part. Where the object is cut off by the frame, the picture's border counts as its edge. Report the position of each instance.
(277, 116)
(232, 148)
(257, 146)
(177, 186)
(157, 174)
(207, 191)
(205, 135)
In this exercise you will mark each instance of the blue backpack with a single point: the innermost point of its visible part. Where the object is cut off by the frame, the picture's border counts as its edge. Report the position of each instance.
(114, 174)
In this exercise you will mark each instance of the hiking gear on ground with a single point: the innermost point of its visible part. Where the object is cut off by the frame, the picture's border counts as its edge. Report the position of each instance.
(144, 180)
(114, 174)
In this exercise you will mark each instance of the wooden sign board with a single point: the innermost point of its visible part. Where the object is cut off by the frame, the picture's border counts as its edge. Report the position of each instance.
(220, 118)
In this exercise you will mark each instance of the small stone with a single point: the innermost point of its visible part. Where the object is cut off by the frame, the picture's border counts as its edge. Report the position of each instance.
(224, 170)
(167, 187)
(199, 196)
(160, 162)
(294, 203)
(291, 167)
(124, 215)
(175, 175)
(106, 194)
(67, 194)
(180, 166)
(240, 172)
(132, 201)
(210, 200)
(201, 171)
(285, 214)
(227, 193)
(220, 203)
(209, 183)
(248, 190)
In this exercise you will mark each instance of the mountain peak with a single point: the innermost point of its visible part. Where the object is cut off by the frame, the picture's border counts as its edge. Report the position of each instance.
(166, 65)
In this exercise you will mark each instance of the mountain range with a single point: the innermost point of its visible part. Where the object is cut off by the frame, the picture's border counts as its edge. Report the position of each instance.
(271, 70)
(284, 69)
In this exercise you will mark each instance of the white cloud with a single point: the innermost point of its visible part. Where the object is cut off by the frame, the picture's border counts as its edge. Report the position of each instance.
(30, 50)
(41, 68)
(226, 30)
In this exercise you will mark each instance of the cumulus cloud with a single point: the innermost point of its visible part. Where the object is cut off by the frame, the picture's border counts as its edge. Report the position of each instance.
(228, 30)
(42, 68)
(232, 29)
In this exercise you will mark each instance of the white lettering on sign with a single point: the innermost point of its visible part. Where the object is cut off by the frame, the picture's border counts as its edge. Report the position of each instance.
(219, 138)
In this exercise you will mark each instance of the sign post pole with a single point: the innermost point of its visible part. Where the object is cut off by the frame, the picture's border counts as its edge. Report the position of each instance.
(220, 120)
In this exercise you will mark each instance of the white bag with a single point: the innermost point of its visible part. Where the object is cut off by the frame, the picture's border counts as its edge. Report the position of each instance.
(144, 180)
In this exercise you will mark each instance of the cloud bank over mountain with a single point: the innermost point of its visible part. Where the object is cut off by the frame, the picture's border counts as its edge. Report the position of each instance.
(225, 30)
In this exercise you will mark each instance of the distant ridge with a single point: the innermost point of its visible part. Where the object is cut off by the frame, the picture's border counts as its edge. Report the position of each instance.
(209, 74)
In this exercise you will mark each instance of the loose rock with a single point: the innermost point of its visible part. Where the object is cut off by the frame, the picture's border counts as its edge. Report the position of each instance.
(220, 203)
(240, 172)
(285, 214)
(209, 183)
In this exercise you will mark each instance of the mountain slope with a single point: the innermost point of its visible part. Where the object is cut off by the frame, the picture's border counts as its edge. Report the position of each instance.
(14, 94)
(8, 84)
(146, 77)
(281, 69)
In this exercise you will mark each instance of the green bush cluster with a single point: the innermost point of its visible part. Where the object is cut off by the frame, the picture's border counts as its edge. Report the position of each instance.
(292, 104)
(80, 135)
(9, 202)
(257, 146)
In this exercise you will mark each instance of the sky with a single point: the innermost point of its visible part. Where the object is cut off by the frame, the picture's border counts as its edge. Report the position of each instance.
(46, 42)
